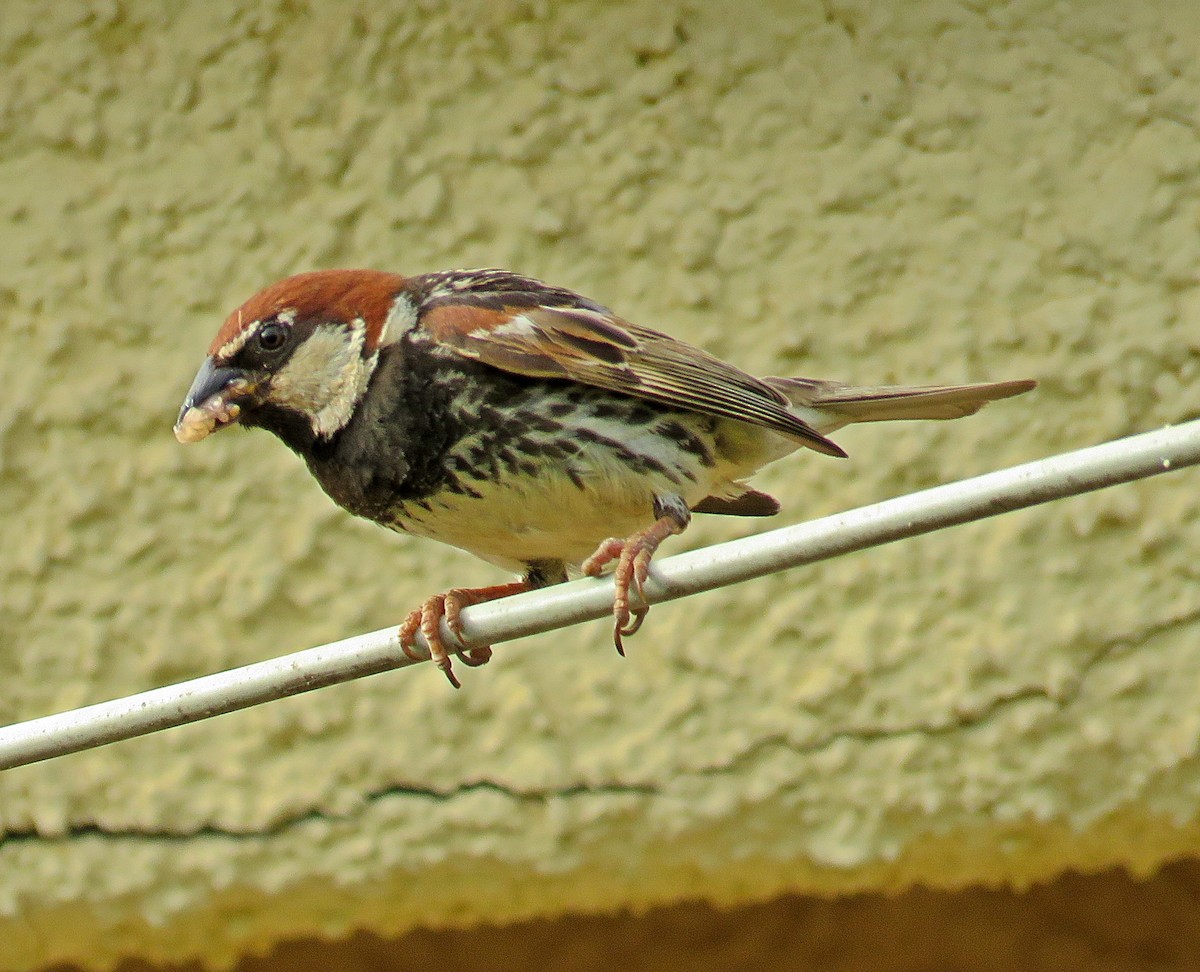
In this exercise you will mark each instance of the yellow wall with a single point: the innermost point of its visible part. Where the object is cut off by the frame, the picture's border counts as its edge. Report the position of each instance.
(867, 191)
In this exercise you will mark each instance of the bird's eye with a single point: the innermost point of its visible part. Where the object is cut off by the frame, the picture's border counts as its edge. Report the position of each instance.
(272, 337)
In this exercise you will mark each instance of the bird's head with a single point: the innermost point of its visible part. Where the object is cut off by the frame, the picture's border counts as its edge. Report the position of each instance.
(297, 355)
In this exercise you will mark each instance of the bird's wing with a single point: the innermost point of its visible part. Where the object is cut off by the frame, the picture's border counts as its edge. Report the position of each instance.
(523, 333)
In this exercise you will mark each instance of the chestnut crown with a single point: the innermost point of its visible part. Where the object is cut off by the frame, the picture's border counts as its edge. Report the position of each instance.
(306, 346)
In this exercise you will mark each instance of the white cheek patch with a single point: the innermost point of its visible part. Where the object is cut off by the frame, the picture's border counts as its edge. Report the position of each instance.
(325, 377)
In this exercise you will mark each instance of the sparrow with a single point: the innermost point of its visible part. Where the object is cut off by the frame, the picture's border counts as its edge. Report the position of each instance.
(519, 421)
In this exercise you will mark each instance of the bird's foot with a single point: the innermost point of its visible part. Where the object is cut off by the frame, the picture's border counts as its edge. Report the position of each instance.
(633, 555)
(428, 620)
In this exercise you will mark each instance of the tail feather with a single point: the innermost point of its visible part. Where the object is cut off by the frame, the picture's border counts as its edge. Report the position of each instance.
(829, 405)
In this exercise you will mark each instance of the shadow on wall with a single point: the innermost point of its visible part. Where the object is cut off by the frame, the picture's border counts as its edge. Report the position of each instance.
(1101, 923)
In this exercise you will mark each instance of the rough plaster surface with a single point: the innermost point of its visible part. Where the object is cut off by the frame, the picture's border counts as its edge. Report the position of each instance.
(928, 191)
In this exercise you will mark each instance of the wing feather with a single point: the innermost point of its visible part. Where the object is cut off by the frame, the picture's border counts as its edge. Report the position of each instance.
(583, 342)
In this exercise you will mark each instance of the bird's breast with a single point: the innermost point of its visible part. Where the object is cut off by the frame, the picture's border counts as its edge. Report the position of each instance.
(520, 470)
(548, 474)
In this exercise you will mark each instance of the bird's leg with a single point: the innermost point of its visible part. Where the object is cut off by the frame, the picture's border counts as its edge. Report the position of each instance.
(428, 620)
(632, 555)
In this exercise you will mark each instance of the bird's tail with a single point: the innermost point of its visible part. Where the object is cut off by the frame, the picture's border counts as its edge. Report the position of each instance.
(829, 405)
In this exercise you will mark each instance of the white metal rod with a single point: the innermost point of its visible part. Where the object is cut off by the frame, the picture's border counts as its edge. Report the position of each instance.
(1036, 482)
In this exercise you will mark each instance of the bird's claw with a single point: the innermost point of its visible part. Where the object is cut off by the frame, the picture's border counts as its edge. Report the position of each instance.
(428, 620)
(633, 555)
(626, 624)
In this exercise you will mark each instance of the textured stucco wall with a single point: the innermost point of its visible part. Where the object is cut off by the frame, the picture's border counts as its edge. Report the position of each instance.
(868, 191)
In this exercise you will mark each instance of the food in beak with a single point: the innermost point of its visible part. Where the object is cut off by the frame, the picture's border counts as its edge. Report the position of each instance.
(200, 420)
(213, 402)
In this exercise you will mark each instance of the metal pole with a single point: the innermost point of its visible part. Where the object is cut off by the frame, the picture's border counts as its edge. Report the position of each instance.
(1071, 473)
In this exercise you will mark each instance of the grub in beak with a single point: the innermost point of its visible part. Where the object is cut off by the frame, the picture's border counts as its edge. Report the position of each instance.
(213, 402)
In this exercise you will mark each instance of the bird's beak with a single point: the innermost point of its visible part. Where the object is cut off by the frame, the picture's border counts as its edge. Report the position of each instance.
(215, 400)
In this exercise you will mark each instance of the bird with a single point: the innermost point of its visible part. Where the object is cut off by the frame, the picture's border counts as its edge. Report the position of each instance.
(520, 421)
